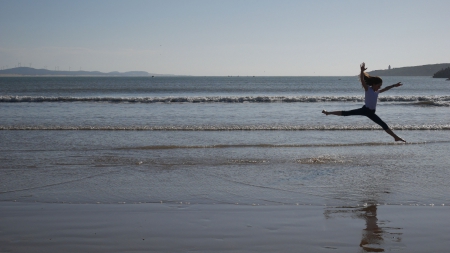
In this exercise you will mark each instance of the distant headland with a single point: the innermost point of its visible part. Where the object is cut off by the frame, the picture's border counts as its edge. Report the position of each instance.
(26, 71)
(424, 70)
(441, 70)
(443, 73)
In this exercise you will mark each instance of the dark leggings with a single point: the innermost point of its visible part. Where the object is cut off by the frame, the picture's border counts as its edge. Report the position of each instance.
(364, 111)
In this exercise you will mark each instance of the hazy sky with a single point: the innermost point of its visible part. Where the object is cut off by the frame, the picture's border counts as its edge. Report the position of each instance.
(212, 37)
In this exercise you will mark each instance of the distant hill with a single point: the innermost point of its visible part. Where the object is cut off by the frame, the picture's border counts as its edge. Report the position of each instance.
(443, 73)
(25, 71)
(424, 70)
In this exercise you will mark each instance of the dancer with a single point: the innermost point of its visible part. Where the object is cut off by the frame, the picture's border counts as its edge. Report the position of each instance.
(371, 85)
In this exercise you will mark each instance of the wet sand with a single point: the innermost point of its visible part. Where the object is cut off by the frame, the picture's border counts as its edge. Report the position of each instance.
(40, 227)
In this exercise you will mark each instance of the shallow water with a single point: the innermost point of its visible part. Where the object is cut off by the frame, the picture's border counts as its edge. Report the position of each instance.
(246, 167)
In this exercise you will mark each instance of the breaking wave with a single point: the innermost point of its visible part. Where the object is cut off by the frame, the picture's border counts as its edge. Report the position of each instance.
(231, 128)
(419, 100)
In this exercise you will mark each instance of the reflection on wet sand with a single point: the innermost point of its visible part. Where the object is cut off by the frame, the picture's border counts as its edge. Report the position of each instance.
(372, 235)
(376, 236)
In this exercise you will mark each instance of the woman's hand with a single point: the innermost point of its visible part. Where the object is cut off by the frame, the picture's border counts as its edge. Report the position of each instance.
(363, 67)
(397, 84)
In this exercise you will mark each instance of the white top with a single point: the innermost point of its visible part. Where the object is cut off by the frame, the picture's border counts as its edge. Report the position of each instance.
(371, 98)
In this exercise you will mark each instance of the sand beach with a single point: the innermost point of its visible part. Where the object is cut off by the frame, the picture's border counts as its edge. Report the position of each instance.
(35, 227)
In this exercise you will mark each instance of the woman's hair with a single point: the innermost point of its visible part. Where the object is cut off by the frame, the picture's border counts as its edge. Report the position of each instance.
(371, 80)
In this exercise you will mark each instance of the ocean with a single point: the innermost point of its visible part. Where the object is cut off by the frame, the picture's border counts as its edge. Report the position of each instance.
(214, 140)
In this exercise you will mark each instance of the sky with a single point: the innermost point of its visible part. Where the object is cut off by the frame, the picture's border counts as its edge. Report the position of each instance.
(222, 38)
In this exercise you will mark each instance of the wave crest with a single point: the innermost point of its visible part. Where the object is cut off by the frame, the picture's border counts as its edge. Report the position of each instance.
(422, 100)
(231, 128)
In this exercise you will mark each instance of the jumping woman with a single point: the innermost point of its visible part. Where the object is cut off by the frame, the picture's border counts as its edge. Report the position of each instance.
(371, 85)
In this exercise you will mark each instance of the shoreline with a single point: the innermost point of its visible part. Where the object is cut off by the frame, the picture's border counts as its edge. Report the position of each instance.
(38, 227)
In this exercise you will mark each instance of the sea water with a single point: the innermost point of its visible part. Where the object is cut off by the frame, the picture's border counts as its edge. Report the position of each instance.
(234, 140)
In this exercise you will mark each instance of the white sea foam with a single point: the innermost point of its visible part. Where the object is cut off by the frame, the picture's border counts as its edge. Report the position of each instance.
(420, 100)
(232, 128)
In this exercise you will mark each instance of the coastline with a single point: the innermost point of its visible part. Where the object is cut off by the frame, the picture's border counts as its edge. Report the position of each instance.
(42, 227)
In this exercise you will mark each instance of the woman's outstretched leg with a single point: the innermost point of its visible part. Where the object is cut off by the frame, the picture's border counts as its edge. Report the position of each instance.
(360, 111)
(386, 128)
(338, 113)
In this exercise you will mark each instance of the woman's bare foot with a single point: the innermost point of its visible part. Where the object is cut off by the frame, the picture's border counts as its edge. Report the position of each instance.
(399, 139)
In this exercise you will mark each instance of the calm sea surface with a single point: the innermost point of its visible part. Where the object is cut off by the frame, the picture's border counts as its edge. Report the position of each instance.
(246, 140)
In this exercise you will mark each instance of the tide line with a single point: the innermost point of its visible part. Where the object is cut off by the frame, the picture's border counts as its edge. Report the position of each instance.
(263, 145)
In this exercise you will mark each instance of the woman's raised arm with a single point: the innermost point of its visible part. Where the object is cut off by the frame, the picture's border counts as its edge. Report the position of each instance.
(361, 76)
(391, 86)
